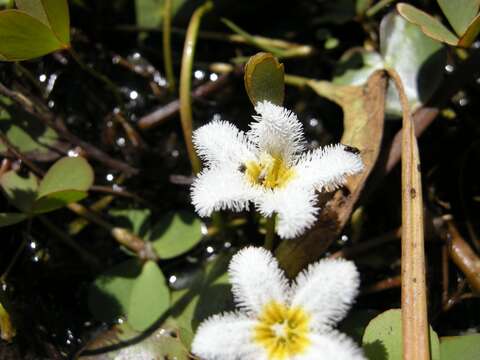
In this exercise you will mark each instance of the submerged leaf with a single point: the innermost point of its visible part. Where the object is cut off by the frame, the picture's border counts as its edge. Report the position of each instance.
(149, 13)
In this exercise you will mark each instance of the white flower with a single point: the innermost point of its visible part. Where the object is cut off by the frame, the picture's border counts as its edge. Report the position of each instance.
(279, 321)
(266, 166)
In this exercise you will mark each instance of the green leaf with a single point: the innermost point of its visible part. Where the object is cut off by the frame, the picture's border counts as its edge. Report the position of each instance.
(429, 25)
(418, 59)
(57, 200)
(356, 322)
(135, 220)
(264, 79)
(23, 37)
(149, 13)
(470, 35)
(466, 347)
(53, 13)
(65, 182)
(68, 173)
(149, 299)
(20, 191)
(208, 294)
(383, 338)
(175, 234)
(7, 219)
(109, 295)
(459, 13)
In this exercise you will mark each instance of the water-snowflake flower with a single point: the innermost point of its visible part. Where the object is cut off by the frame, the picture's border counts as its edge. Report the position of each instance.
(277, 320)
(268, 165)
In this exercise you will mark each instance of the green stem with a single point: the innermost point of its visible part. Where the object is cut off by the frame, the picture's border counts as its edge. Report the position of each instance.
(167, 45)
(186, 82)
(377, 7)
(99, 76)
(270, 234)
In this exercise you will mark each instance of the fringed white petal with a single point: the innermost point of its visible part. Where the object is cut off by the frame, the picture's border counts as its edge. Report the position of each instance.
(221, 142)
(256, 279)
(277, 131)
(226, 337)
(326, 290)
(332, 346)
(329, 167)
(294, 206)
(221, 188)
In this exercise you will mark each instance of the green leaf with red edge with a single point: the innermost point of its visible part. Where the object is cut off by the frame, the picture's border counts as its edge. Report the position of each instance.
(459, 13)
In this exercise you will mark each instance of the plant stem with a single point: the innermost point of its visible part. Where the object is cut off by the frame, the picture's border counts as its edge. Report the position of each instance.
(186, 82)
(270, 234)
(167, 44)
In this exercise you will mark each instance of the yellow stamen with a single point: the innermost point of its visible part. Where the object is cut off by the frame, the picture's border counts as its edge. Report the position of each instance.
(282, 331)
(270, 171)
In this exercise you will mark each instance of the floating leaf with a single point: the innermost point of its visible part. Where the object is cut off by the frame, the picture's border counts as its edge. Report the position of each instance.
(469, 36)
(26, 133)
(149, 13)
(24, 37)
(459, 13)
(53, 13)
(175, 234)
(264, 79)
(20, 191)
(65, 182)
(383, 338)
(429, 25)
(7, 219)
(109, 295)
(149, 298)
(467, 345)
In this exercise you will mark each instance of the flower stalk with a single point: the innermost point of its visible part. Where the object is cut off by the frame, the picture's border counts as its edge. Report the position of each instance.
(270, 233)
(186, 83)
(167, 45)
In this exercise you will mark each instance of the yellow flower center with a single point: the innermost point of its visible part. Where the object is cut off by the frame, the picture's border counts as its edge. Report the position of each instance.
(282, 331)
(270, 171)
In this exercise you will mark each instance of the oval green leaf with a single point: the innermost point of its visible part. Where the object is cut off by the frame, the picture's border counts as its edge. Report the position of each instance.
(175, 234)
(429, 25)
(135, 220)
(57, 200)
(53, 13)
(68, 173)
(23, 37)
(382, 339)
(109, 295)
(20, 191)
(459, 13)
(264, 79)
(466, 347)
(470, 35)
(149, 299)
(7, 219)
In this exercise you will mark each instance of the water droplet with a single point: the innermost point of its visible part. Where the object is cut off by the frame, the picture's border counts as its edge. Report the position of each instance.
(72, 153)
(344, 238)
(213, 77)
(449, 68)
(133, 95)
(175, 153)
(36, 259)
(51, 82)
(136, 56)
(120, 321)
(313, 122)
(172, 279)
(109, 177)
(199, 74)
(121, 141)
(42, 78)
(51, 104)
(210, 249)
(227, 245)
(33, 245)
(204, 229)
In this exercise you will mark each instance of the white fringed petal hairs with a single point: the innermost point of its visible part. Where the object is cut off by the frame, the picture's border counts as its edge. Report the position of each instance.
(266, 166)
(278, 320)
